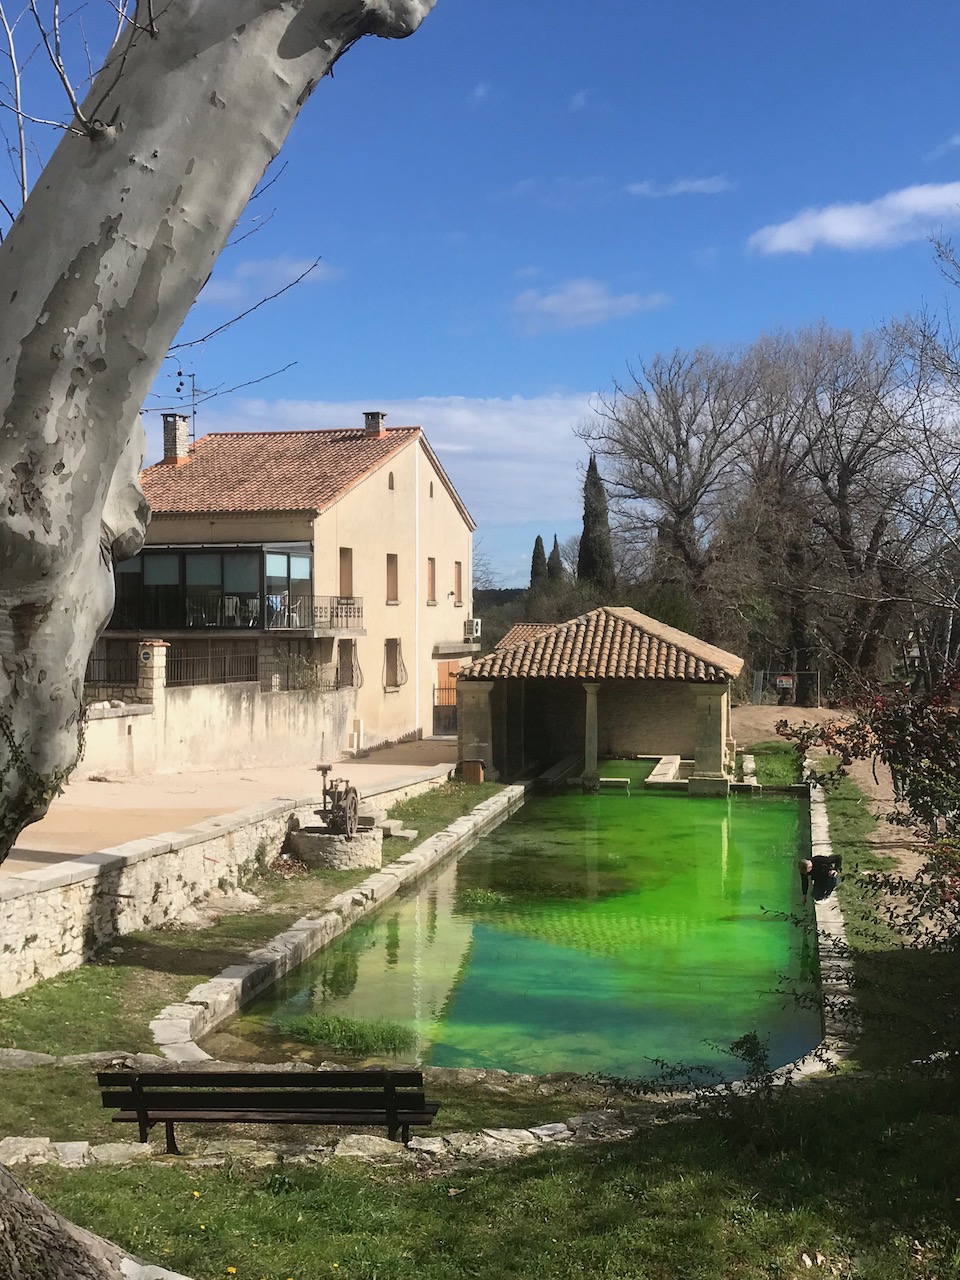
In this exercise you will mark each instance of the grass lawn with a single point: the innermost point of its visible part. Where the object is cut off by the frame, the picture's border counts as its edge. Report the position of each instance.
(777, 761)
(856, 1171)
(437, 808)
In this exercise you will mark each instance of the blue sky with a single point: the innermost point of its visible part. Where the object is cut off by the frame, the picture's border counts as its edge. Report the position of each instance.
(522, 199)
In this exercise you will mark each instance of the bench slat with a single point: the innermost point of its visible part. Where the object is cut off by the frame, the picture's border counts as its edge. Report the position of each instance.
(263, 1100)
(338, 1117)
(262, 1079)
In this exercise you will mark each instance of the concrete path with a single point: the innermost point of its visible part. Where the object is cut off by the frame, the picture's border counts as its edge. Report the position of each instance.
(92, 815)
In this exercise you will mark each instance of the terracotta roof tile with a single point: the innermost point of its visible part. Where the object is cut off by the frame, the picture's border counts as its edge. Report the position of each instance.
(238, 471)
(606, 644)
(521, 631)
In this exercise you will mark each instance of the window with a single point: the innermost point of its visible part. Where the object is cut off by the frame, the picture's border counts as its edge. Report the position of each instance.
(346, 651)
(346, 571)
(394, 672)
(393, 579)
(390, 480)
(457, 582)
(431, 488)
(431, 580)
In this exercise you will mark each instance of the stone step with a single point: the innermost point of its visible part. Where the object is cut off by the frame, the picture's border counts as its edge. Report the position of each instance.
(394, 829)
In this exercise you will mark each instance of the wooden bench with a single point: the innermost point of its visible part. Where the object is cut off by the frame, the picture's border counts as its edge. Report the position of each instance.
(393, 1099)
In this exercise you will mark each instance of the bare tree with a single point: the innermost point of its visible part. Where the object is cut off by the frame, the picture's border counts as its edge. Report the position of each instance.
(672, 440)
(97, 274)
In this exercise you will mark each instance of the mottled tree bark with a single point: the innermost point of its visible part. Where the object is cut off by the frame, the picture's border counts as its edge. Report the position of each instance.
(96, 276)
(37, 1244)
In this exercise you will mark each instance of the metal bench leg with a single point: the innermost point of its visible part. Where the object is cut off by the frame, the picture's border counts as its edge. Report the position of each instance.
(405, 1135)
(172, 1148)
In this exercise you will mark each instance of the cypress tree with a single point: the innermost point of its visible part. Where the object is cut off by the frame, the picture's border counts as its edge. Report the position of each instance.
(538, 567)
(555, 569)
(595, 561)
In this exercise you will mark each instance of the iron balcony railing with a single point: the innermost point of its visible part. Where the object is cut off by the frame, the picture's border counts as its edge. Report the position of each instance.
(112, 671)
(173, 609)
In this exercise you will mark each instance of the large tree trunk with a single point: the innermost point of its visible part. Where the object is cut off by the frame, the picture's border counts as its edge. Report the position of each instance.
(37, 1244)
(96, 276)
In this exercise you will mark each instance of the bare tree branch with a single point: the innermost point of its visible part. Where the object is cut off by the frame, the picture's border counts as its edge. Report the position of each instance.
(196, 342)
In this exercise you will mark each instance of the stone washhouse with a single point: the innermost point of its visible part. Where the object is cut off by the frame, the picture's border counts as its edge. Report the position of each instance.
(611, 683)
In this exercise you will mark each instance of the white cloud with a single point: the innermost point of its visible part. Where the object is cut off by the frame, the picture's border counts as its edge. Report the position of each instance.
(579, 100)
(712, 186)
(944, 148)
(258, 277)
(515, 462)
(560, 193)
(478, 94)
(912, 213)
(579, 304)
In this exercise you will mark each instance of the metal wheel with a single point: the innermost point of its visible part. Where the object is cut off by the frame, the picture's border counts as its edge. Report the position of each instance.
(351, 812)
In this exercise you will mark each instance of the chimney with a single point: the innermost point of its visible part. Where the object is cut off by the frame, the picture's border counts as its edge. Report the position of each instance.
(374, 423)
(176, 438)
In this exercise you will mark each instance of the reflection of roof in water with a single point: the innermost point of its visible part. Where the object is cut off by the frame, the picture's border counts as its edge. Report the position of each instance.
(607, 935)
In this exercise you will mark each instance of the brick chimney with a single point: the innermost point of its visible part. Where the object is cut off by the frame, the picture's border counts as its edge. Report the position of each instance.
(374, 423)
(176, 438)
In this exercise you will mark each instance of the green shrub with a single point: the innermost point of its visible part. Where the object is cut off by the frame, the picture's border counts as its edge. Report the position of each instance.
(348, 1035)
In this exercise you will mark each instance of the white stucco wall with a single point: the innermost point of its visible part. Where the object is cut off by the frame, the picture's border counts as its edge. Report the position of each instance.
(218, 726)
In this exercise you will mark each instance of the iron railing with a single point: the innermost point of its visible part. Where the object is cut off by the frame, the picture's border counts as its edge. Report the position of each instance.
(112, 671)
(173, 609)
(210, 668)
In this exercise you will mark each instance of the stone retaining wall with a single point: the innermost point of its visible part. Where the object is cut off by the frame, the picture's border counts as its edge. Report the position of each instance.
(54, 918)
(177, 1028)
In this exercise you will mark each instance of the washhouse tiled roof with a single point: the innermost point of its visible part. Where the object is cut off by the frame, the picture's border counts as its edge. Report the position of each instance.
(521, 631)
(607, 644)
(234, 472)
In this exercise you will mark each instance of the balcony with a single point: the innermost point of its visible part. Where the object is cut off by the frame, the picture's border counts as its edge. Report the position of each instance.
(165, 609)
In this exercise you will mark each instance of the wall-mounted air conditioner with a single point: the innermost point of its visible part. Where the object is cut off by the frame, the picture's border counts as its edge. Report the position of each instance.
(471, 629)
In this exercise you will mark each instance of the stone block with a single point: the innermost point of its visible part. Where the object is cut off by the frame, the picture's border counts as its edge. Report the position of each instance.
(368, 1146)
(119, 1152)
(518, 1137)
(185, 1051)
(170, 1030)
(26, 1151)
(555, 1132)
(72, 1154)
(18, 1058)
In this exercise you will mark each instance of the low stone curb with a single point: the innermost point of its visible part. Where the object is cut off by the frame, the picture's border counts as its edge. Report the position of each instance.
(176, 1028)
(486, 1146)
(839, 1018)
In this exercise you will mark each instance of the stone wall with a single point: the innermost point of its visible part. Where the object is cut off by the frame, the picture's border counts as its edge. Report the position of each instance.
(658, 718)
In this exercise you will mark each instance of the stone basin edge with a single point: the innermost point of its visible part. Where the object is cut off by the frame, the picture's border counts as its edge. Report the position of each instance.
(177, 1028)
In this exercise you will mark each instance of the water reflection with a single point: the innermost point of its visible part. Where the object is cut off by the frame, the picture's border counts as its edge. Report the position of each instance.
(585, 934)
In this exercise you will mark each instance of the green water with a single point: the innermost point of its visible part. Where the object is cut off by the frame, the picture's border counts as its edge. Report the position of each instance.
(587, 933)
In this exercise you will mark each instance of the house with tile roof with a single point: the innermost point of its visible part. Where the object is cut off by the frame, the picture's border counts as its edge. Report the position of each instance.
(610, 683)
(331, 561)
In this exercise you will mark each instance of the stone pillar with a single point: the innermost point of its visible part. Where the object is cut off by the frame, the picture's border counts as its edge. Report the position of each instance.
(709, 777)
(475, 723)
(152, 689)
(151, 670)
(591, 777)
